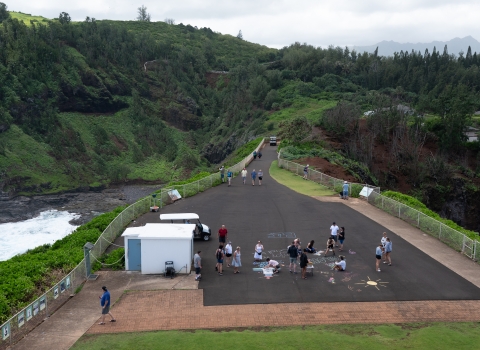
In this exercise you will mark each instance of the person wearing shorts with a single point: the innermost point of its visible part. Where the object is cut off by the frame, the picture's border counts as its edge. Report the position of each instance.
(330, 246)
(260, 177)
(340, 265)
(244, 175)
(222, 173)
(292, 252)
(197, 263)
(334, 232)
(388, 251)
(341, 238)
(222, 234)
(378, 255)
(105, 304)
(228, 253)
(254, 176)
(305, 172)
(219, 255)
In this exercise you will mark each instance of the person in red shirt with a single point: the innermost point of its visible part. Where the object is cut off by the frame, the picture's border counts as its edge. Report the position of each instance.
(222, 234)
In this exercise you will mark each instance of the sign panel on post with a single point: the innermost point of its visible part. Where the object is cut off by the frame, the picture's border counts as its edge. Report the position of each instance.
(365, 192)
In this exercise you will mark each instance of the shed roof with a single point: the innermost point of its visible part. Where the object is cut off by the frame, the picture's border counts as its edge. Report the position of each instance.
(161, 231)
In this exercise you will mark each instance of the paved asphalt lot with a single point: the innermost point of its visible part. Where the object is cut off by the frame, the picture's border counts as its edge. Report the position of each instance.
(253, 213)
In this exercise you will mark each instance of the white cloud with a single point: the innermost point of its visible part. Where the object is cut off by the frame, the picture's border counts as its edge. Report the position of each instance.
(280, 23)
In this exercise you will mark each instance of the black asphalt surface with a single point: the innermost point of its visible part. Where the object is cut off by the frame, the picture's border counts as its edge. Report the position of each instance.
(253, 213)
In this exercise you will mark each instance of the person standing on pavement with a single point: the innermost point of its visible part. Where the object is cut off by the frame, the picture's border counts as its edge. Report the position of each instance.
(254, 176)
(254, 155)
(222, 234)
(260, 177)
(197, 264)
(228, 253)
(384, 241)
(237, 260)
(334, 232)
(222, 173)
(341, 238)
(258, 251)
(259, 155)
(345, 190)
(244, 175)
(303, 264)
(105, 303)
(378, 255)
(305, 172)
(292, 252)
(219, 255)
(330, 246)
(229, 177)
(388, 251)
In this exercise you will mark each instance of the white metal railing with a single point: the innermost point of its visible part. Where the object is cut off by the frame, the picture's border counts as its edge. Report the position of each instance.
(453, 238)
(28, 318)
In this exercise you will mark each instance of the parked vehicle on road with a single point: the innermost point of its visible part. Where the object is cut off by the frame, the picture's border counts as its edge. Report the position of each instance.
(202, 231)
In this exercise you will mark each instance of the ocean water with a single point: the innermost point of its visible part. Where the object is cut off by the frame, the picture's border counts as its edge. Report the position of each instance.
(48, 227)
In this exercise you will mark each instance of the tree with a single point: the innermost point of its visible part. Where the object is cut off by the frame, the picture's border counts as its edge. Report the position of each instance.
(64, 18)
(295, 130)
(169, 21)
(240, 35)
(143, 15)
(3, 12)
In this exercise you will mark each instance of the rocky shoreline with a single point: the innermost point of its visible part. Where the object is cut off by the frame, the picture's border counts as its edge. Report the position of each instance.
(87, 204)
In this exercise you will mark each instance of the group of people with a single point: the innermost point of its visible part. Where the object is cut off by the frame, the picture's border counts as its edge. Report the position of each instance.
(253, 175)
(257, 154)
(383, 252)
(229, 175)
(337, 235)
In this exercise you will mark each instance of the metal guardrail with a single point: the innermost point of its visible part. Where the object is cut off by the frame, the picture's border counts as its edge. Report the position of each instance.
(451, 237)
(36, 312)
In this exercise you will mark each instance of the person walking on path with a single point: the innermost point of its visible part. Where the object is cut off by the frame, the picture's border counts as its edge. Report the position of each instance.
(345, 190)
(305, 172)
(388, 251)
(259, 155)
(228, 253)
(341, 238)
(244, 175)
(254, 176)
(334, 232)
(219, 254)
(222, 173)
(378, 255)
(237, 260)
(303, 264)
(222, 234)
(254, 155)
(229, 177)
(197, 264)
(258, 251)
(260, 177)
(292, 252)
(105, 304)
(330, 246)
(340, 265)
(384, 241)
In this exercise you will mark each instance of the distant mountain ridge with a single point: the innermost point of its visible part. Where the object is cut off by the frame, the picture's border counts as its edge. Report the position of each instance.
(455, 46)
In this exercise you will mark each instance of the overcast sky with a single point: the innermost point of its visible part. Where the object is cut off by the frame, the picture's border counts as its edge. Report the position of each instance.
(279, 23)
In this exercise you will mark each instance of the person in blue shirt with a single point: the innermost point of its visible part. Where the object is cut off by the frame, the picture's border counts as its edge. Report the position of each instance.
(229, 177)
(345, 190)
(378, 255)
(388, 251)
(105, 303)
(254, 176)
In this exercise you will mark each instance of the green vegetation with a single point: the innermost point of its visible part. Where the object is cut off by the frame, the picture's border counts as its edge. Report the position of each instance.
(27, 18)
(296, 183)
(241, 153)
(24, 277)
(405, 336)
(416, 204)
(115, 260)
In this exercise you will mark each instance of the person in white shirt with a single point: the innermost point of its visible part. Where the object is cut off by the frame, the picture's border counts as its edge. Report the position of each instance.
(228, 253)
(244, 175)
(274, 264)
(384, 241)
(340, 265)
(333, 232)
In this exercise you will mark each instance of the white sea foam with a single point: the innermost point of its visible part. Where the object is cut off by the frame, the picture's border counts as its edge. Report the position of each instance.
(48, 227)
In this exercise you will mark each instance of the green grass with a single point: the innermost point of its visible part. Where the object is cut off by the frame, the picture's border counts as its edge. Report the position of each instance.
(26, 18)
(310, 108)
(296, 183)
(372, 337)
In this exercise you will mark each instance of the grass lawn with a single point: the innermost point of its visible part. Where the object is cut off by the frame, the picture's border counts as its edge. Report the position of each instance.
(405, 336)
(296, 182)
(26, 18)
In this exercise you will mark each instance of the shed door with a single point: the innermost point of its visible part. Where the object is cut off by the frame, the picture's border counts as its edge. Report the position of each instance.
(134, 254)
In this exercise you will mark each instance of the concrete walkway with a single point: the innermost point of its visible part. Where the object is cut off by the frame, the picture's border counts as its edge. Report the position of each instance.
(72, 320)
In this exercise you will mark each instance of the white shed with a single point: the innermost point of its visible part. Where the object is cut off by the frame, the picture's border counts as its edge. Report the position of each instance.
(148, 247)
